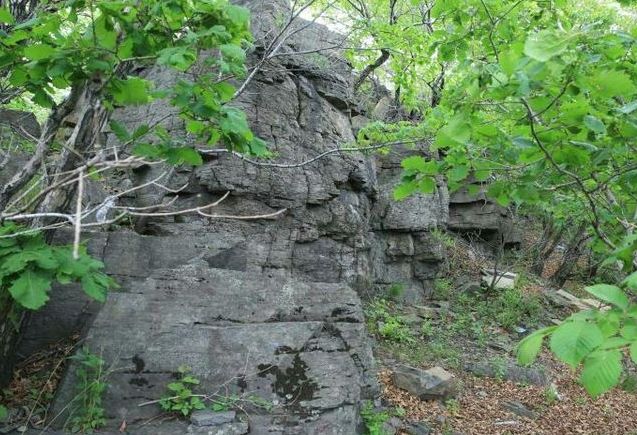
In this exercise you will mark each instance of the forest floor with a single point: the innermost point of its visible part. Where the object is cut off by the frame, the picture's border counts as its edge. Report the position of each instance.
(463, 328)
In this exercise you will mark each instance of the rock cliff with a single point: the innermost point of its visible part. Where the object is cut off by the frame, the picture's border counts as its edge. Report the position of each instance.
(270, 307)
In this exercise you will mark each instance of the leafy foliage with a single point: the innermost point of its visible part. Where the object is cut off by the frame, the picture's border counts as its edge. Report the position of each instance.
(97, 41)
(28, 267)
(180, 397)
(389, 326)
(87, 413)
(91, 47)
(535, 101)
(374, 420)
(595, 338)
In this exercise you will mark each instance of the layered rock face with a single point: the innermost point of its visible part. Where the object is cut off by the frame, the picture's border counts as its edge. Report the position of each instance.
(269, 307)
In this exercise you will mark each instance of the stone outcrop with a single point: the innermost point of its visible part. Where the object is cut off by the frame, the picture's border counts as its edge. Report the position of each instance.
(476, 215)
(297, 346)
(433, 383)
(270, 307)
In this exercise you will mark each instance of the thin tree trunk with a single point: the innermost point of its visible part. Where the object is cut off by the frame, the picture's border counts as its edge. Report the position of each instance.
(49, 132)
(572, 254)
(384, 55)
(551, 237)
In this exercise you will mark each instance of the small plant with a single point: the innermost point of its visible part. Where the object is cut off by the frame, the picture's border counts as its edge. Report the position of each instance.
(374, 420)
(180, 397)
(629, 384)
(453, 406)
(88, 413)
(393, 328)
(442, 289)
(479, 333)
(443, 237)
(389, 326)
(581, 400)
(427, 328)
(551, 395)
(500, 368)
(396, 290)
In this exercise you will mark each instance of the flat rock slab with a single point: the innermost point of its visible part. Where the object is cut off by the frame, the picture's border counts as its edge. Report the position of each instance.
(301, 348)
(433, 383)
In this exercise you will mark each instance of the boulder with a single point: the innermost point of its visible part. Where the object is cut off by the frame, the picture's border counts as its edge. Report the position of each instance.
(501, 280)
(211, 418)
(520, 409)
(416, 428)
(510, 371)
(234, 428)
(433, 383)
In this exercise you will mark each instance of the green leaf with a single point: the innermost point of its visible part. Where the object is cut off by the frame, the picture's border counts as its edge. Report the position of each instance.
(239, 16)
(233, 52)
(608, 322)
(93, 287)
(633, 352)
(613, 83)
(4, 413)
(458, 173)
(457, 131)
(614, 343)
(601, 371)
(30, 289)
(42, 98)
(414, 163)
(183, 155)
(427, 185)
(610, 294)
(628, 108)
(120, 131)
(545, 44)
(38, 51)
(405, 190)
(594, 124)
(140, 131)
(131, 91)
(529, 348)
(6, 18)
(573, 341)
(629, 331)
(631, 281)
(180, 58)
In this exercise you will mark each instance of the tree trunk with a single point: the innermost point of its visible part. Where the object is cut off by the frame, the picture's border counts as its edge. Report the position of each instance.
(384, 55)
(545, 247)
(572, 254)
(10, 319)
(91, 119)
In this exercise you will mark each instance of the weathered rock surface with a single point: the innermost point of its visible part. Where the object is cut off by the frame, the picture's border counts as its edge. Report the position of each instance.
(510, 371)
(300, 347)
(338, 227)
(499, 279)
(475, 214)
(21, 124)
(264, 307)
(520, 409)
(418, 428)
(433, 383)
(211, 418)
